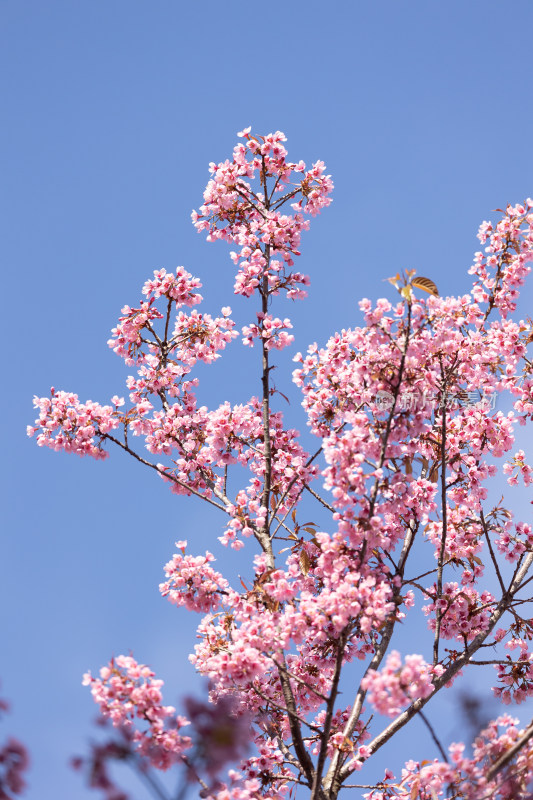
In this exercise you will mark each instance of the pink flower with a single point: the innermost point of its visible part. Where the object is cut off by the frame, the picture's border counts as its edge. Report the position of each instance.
(395, 686)
(127, 693)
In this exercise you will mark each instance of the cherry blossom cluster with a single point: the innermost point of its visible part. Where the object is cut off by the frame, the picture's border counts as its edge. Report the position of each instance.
(179, 289)
(503, 266)
(464, 539)
(518, 467)
(239, 787)
(203, 444)
(126, 692)
(337, 740)
(66, 424)
(194, 337)
(463, 612)
(192, 582)
(283, 610)
(394, 687)
(524, 405)
(465, 777)
(515, 674)
(268, 759)
(515, 540)
(271, 329)
(237, 212)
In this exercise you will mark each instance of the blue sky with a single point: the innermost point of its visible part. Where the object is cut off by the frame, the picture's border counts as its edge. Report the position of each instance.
(111, 113)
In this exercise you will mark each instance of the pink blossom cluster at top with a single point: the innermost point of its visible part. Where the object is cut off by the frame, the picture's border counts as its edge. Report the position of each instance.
(399, 683)
(236, 211)
(179, 288)
(126, 692)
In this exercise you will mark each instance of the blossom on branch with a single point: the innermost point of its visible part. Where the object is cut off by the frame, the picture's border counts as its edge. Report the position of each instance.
(387, 505)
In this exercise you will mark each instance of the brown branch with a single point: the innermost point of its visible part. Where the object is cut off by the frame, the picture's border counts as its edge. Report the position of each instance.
(388, 426)
(433, 735)
(320, 499)
(491, 551)
(316, 790)
(263, 535)
(296, 733)
(444, 508)
(295, 678)
(167, 475)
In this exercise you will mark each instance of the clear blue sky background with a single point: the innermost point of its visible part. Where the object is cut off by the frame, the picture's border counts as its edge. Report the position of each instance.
(111, 112)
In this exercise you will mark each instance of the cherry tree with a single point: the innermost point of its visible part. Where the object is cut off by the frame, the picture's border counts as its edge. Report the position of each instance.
(408, 443)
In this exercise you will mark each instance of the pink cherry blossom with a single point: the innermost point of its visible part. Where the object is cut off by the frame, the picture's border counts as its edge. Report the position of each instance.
(386, 507)
(127, 691)
(399, 683)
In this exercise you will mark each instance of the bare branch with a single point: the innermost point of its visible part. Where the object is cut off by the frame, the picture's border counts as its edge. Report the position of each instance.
(316, 791)
(163, 472)
(431, 730)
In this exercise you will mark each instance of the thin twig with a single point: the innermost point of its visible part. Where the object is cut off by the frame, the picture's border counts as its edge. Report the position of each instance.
(316, 790)
(320, 499)
(431, 730)
(491, 551)
(163, 472)
(444, 511)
